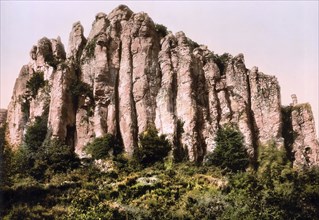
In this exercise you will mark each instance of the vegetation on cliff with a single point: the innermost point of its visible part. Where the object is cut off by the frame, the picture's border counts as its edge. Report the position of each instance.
(64, 189)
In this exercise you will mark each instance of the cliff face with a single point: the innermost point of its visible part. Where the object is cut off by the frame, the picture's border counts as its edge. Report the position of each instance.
(130, 73)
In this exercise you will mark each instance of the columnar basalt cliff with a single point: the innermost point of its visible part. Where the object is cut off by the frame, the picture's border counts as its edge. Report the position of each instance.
(130, 73)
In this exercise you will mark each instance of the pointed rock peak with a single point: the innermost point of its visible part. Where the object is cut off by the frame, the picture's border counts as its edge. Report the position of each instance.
(33, 52)
(122, 12)
(294, 99)
(44, 51)
(59, 39)
(99, 16)
(180, 34)
(76, 40)
(254, 69)
(99, 25)
(43, 41)
(181, 38)
(58, 49)
(240, 58)
(77, 26)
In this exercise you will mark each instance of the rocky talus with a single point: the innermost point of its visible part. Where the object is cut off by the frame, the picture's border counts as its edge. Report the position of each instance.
(130, 72)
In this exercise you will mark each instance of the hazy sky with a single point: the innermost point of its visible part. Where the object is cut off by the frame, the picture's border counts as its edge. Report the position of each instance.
(281, 38)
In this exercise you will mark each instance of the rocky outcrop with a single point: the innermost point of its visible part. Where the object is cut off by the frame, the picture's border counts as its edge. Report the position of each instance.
(25, 106)
(130, 73)
(300, 135)
(305, 146)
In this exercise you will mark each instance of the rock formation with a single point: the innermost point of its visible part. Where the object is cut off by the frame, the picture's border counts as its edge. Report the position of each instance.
(130, 73)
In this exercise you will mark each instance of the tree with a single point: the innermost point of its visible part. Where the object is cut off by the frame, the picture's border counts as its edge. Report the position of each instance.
(35, 83)
(152, 147)
(35, 134)
(101, 147)
(230, 153)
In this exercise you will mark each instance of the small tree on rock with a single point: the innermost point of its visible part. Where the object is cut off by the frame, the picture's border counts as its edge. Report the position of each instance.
(152, 147)
(230, 153)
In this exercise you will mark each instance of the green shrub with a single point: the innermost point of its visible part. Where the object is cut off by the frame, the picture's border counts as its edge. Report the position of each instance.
(194, 44)
(222, 61)
(78, 89)
(161, 30)
(35, 134)
(152, 147)
(60, 157)
(5, 159)
(35, 83)
(90, 48)
(230, 153)
(103, 147)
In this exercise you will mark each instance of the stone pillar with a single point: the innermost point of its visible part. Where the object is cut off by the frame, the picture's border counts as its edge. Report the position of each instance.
(294, 99)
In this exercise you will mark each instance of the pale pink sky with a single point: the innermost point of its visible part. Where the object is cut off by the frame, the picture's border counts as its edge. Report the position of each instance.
(281, 38)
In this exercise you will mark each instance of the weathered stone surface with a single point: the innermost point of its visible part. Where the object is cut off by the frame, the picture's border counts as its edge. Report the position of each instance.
(305, 145)
(58, 49)
(128, 76)
(266, 106)
(61, 120)
(17, 116)
(99, 25)
(166, 98)
(76, 41)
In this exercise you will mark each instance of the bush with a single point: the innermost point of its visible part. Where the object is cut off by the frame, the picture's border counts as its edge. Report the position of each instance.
(230, 153)
(90, 48)
(152, 147)
(35, 134)
(102, 147)
(5, 159)
(161, 30)
(35, 83)
(78, 89)
(222, 61)
(59, 157)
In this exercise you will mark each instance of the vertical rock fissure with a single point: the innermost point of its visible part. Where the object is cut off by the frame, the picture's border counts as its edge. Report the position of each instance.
(252, 124)
(219, 116)
(134, 128)
(116, 99)
(197, 89)
(227, 97)
(287, 131)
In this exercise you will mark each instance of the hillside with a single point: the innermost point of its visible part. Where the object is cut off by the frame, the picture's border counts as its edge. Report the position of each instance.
(135, 122)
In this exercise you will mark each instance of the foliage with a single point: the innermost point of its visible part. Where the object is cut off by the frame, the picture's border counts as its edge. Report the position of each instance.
(183, 191)
(221, 61)
(78, 89)
(5, 159)
(152, 147)
(193, 43)
(35, 83)
(39, 158)
(51, 60)
(90, 48)
(102, 147)
(54, 186)
(180, 152)
(161, 30)
(275, 191)
(230, 153)
(287, 131)
(35, 134)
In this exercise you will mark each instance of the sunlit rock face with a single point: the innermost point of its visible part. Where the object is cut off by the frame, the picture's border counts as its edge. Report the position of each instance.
(130, 73)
